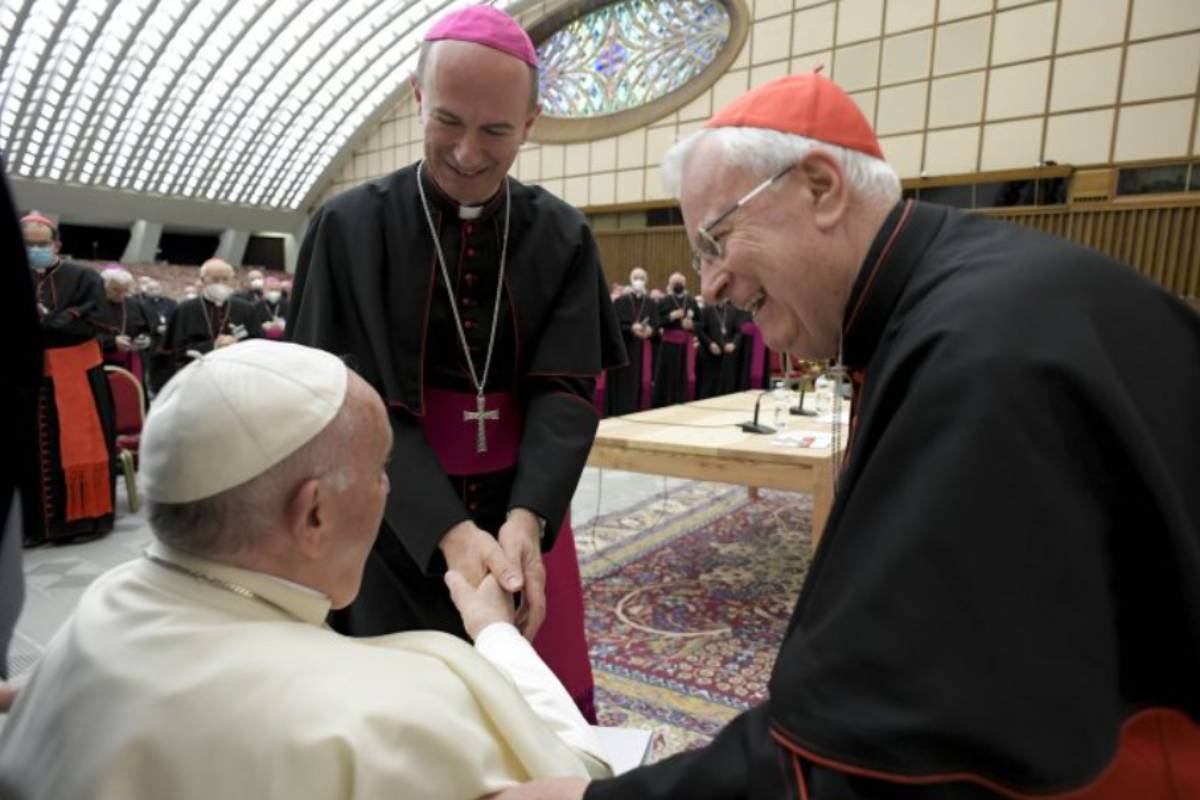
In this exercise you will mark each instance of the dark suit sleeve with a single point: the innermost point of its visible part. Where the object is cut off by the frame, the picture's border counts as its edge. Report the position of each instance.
(140, 320)
(703, 328)
(422, 505)
(650, 311)
(254, 325)
(106, 332)
(560, 423)
(73, 321)
(624, 311)
(742, 761)
(580, 338)
(178, 341)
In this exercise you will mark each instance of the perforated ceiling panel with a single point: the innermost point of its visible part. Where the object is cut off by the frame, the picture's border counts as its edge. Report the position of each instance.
(238, 101)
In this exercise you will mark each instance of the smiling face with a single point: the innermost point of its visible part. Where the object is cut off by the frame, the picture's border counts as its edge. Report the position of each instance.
(474, 106)
(784, 255)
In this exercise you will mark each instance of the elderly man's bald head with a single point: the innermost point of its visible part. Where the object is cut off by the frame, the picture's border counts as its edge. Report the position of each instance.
(118, 283)
(216, 270)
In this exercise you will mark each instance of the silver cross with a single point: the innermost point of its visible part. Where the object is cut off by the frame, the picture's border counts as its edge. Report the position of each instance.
(480, 416)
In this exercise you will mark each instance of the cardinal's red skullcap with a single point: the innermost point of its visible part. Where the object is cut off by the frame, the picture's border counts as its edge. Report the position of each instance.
(805, 105)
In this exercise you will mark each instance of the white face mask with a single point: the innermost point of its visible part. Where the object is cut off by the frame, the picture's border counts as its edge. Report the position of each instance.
(638, 284)
(218, 293)
(272, 295)
(256, 283)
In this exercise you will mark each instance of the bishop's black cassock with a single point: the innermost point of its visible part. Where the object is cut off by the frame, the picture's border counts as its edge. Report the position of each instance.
(198, 322)
(268, 311)
(718, 325)
(126, 318)
(1007, 593)
(159, 367)
(369, 287)
(627, 388)
(674, 370)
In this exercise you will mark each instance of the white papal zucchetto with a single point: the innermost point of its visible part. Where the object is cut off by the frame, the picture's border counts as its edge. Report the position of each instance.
(234, 413)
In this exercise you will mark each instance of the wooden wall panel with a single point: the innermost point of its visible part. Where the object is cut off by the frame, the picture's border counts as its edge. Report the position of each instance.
(1160, 241)
(660, 251)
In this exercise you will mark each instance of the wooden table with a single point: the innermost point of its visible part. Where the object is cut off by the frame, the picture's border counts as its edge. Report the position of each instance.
(663, 441)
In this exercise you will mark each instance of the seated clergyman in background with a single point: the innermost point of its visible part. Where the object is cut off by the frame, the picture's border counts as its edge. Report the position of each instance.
(205, 669)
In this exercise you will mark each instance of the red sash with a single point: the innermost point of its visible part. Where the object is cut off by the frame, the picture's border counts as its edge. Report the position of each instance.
(83, 448)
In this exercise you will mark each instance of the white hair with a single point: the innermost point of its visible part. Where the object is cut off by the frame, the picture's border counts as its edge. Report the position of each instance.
(212, 264)
(759, 151)
(120, 277)
(235, 520)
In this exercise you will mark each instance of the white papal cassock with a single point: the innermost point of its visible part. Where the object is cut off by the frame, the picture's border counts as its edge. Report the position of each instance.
(164, 686)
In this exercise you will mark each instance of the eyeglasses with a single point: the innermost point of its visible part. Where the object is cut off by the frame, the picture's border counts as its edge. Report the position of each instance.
(709, 249)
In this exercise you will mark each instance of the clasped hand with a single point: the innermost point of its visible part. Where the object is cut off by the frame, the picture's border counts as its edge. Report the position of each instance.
(512, 560)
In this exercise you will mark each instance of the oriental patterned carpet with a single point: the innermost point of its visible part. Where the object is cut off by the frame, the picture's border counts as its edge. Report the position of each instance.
(687, 597)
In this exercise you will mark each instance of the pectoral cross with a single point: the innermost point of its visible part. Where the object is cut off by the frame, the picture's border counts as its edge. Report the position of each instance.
(480, 416)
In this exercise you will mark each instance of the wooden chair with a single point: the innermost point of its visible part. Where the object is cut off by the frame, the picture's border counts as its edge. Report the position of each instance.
(129, 403)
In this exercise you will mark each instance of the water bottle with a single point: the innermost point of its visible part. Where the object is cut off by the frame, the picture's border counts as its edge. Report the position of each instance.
(782, 397)
(824, 387)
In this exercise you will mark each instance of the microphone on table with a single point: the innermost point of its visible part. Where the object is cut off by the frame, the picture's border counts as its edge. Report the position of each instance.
(754, 426)
(799, 410)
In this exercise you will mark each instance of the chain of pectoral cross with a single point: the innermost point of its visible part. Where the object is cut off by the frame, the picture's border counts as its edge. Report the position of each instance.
(481, 414)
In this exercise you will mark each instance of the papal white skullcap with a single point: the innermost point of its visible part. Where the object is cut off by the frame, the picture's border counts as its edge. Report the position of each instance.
(235, 413)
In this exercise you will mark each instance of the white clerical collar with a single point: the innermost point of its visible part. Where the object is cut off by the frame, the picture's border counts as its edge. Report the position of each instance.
(469, 212)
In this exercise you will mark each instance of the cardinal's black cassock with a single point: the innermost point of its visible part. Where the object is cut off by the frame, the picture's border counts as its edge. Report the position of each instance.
(1006, 598)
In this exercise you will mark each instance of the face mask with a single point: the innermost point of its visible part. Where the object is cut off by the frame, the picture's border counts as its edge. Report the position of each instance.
(677, 288)
(256, 284)
(218, 293)
(272, 296)
(40, 257)
(639, 285)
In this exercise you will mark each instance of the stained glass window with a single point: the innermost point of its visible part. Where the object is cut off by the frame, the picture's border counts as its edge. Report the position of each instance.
(627, 54)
